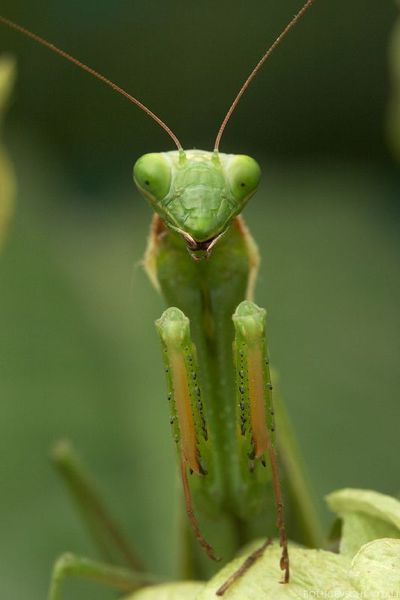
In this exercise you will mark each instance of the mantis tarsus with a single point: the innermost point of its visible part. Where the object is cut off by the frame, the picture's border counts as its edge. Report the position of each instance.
(203, 259)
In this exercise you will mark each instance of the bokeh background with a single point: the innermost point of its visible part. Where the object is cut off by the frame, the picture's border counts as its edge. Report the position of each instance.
(79, 356)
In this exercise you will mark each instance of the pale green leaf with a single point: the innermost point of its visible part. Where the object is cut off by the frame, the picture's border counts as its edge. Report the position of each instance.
(375, 570)
(312, 572)
(182, 590)
(366, 516)
(373, 573)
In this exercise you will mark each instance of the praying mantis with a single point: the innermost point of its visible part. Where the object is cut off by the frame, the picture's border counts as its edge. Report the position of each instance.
(203, 259)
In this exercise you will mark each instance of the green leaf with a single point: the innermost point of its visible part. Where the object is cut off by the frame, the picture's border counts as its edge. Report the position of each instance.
(311, 572)
(373, 573)
(182, 590)
(366, 516)
(375, 570)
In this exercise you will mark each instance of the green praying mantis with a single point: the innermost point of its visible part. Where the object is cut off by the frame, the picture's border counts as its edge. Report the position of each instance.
(202, 258)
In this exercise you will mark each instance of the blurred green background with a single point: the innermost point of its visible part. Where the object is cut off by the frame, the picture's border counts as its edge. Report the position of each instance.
(78, 351)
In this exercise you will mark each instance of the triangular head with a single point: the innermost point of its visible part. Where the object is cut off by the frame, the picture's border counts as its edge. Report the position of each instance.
(197, 193)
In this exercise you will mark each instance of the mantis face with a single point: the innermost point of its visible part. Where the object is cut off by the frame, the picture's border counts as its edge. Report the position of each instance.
(197, 193)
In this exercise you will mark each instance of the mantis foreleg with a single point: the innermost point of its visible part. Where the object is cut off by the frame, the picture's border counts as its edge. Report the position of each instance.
(188, 417)
(255, 411)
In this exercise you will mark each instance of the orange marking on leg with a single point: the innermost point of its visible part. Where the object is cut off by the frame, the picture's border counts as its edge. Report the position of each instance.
(184, 410)
(263, 443)
(257, 400)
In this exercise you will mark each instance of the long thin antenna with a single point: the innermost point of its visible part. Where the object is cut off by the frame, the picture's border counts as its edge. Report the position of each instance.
(88, 69)
(258, 66)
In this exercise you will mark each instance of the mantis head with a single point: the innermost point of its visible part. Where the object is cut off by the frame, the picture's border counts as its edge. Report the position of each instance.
(197, 193)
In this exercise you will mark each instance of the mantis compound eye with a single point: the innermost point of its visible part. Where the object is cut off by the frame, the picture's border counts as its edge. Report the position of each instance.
(243, 174)
(152, 175)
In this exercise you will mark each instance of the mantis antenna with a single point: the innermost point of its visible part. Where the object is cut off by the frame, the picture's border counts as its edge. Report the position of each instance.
(258, 66)
(88, 69)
